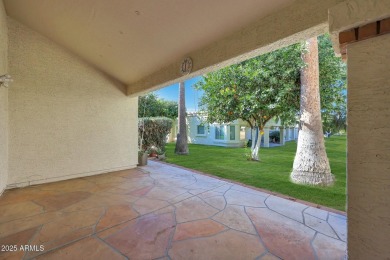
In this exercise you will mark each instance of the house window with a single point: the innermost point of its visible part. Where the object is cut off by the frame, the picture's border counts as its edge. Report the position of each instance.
(200, 130)
(220, 132)
(232, 132)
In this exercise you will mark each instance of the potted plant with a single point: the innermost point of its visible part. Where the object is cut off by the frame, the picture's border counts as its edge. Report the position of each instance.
(142, 158)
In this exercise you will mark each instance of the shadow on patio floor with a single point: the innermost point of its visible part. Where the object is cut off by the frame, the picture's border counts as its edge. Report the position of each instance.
(161, 211)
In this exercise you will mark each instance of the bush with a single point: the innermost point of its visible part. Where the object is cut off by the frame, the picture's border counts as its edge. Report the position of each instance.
(274, 136)
(153, 131)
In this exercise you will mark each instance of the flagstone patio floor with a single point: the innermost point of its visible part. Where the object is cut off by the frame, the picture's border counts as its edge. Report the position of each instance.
(162, 212)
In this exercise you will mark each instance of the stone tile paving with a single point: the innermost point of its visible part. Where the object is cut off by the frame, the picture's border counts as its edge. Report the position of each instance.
(163, 212)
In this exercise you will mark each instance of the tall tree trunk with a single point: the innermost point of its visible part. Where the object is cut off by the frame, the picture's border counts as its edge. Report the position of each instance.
(181, 141)
(311, 164)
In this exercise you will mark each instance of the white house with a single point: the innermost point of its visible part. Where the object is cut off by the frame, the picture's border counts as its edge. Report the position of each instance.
(233, 134)
(287, 133)
(228, 135)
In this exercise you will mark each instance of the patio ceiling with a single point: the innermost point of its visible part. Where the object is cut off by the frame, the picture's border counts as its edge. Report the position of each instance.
(141, 43)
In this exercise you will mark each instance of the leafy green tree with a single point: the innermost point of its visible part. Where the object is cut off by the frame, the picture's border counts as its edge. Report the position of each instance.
(255, 91)
(151, 106)
(335, 120)
(332, 87)
(269, 86)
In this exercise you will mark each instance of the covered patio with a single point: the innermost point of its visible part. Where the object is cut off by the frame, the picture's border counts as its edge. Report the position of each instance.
(163, 212)
(78, 68)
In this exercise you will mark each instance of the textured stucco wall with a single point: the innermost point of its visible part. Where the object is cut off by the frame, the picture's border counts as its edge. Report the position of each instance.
(3, 100)
(3, 40)
(368, 158)
(369, 149)
(66, 119)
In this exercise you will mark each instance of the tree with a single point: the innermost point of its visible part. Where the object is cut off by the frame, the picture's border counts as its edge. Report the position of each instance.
(335, 120)
(152, 106)
(255, 91)
(332, 87)
(181, 141)
(269, 86)
(311, 164)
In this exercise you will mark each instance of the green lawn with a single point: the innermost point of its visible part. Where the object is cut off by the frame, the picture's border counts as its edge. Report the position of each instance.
(272, 173)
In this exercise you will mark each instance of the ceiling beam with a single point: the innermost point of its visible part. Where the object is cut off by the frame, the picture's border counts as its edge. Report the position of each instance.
(299, 21)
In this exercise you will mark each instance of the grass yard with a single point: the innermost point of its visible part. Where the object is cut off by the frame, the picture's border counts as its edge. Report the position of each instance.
(272, 173)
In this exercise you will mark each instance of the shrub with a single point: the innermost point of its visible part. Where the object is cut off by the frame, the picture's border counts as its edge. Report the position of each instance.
(274, 136)
(153, 131)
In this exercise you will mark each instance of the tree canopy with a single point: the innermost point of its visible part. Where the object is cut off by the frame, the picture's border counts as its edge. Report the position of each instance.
(332, 87)
(255, 90)
(269, 86)
(151, 106)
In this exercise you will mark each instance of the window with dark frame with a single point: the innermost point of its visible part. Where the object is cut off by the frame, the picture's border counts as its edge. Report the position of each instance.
(232, 132)
(220, 132)
(200, 130)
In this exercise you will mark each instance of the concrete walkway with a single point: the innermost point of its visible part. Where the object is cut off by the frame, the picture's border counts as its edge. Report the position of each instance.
(163, 212)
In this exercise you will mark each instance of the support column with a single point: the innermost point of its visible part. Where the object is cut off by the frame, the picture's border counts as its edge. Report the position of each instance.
(282, 138)
(287, 134)
(368, 161)
(266, 137)
(361, 35)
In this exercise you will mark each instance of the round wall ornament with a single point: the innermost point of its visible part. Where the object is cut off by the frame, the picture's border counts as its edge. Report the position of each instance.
(186, 66)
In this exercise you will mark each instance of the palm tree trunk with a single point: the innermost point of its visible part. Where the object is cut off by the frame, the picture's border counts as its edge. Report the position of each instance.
(181, 141)
(311, 164)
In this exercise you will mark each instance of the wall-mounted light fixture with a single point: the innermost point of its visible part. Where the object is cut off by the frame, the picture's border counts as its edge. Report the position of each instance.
(5, 80)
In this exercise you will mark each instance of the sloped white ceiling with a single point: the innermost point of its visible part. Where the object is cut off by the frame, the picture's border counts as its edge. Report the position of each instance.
(131, 39)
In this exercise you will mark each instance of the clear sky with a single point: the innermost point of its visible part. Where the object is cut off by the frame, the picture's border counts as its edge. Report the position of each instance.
(192, 95)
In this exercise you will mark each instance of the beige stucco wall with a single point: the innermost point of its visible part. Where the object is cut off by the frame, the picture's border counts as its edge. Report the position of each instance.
(66, 119)
(369, 149)
(3, 100)
(368, 175)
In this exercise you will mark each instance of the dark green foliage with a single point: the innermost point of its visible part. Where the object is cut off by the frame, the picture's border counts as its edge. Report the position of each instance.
(274, 136)
(269, 86)
(332, 87)
(255, 90)
(153, 131)
(335, 121)
(152, 106)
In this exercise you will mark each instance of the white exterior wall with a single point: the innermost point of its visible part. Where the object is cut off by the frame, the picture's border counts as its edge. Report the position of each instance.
(209, 137)
(289, 132)
(66, 118)
(3, 100)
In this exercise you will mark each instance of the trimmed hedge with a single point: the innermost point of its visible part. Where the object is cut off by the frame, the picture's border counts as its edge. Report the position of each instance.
(153, 131)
